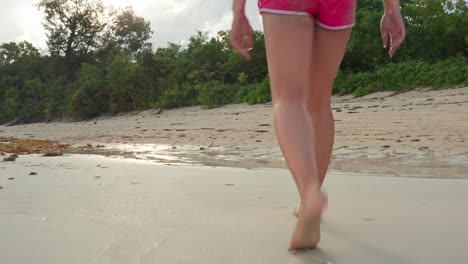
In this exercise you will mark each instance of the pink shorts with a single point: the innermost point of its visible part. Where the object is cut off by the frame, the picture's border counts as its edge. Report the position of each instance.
(330, 14)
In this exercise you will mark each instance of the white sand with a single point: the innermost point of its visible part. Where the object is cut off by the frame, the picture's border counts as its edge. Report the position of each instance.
(145, 213)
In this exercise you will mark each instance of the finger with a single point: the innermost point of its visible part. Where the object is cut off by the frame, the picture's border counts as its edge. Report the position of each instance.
(240, 49)
(249, 42)
(245, 54)
(384, 38)
(396, 43)
(250, 39)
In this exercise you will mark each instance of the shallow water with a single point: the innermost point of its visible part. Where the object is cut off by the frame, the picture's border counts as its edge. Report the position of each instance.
(405, 163)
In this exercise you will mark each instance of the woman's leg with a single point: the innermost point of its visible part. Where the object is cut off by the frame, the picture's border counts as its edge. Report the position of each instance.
(328, 50)
(329, 47)
(289, 43)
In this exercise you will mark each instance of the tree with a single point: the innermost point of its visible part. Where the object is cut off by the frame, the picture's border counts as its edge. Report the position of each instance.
(74, 27)
(437, 29)
(12, 52)
(125, 95)
(91, 95)
(130, 31)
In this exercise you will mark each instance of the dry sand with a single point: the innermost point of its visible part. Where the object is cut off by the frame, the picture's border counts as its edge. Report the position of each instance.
(417, 133)
(92, 209)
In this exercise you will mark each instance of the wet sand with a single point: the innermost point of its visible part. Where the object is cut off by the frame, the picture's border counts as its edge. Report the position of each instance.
(416, 133)
(92, 209)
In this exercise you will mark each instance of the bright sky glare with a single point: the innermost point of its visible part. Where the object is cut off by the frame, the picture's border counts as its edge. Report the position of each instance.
(171, 20)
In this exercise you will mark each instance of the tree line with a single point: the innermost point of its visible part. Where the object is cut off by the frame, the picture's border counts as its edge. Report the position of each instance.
(99, 61)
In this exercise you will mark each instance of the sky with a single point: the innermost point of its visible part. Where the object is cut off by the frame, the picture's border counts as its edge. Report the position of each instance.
(171, 20)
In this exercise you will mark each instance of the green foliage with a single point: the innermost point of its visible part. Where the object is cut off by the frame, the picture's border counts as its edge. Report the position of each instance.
(216, 94)
(11, 106)
(261, 94)
(90, 97)
(99, 61)
(121, 78)
(405, 75)
(363, 90)
(12, 52)
(130, 31)
(55, 101)
(32, 106)
(73, 27)
(184, 95)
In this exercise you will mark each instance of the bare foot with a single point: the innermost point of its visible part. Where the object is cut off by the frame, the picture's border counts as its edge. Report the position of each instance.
(297, 210)
(307, 232)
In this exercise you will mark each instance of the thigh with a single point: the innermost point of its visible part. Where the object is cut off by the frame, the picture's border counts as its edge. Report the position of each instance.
(289, 40)
(329, 47)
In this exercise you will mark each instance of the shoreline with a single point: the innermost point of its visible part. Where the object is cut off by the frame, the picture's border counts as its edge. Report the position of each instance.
(416, 133)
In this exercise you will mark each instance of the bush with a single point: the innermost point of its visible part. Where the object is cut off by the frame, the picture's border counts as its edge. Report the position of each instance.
(403, 76)
(121, 78)
(261, 94)
(216, 94)
(363, 90)
(244, 91)
(178, 96)
(55, 99)
(91, 96)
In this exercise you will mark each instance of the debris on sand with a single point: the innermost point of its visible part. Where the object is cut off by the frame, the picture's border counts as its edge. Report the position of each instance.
(30, 146)
(90, 146)
(33, 173)
(53, 154)
(10, 179)
(12, 157)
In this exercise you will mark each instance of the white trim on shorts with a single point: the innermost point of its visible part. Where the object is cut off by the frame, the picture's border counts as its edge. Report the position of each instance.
(297, 13)
(334, 27)
(284, 12)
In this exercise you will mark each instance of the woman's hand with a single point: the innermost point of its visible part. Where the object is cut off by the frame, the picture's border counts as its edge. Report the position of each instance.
(241, 35)
(392, 25)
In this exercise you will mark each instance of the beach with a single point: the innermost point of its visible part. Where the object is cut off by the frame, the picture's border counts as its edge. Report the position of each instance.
(420, 133)
(96, 209)
(193, 185)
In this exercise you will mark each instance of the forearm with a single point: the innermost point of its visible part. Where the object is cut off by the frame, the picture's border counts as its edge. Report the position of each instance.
(238, 7)
(391, 4)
